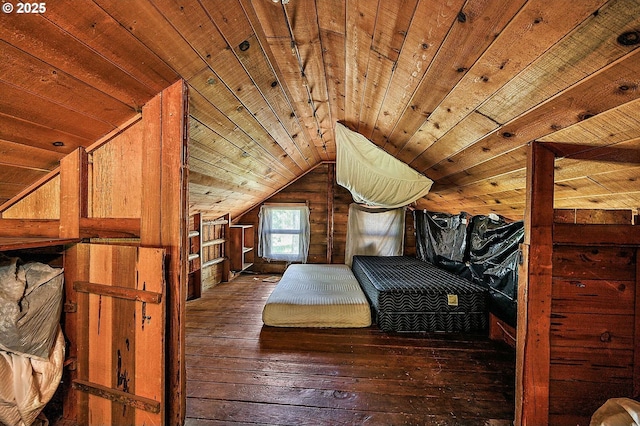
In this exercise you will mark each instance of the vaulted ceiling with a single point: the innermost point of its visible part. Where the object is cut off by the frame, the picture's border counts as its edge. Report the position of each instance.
(457, 89)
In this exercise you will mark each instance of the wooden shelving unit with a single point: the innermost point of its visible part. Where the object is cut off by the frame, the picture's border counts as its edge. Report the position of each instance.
(242, 247)
(194, 286)
(214, 250)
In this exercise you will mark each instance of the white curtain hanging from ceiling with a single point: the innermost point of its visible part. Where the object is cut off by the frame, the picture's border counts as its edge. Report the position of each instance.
(374, 231)
(373, 176)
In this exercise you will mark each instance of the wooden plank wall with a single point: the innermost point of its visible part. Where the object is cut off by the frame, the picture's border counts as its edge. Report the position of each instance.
(41, 204)
(319, 190)
(593, 317)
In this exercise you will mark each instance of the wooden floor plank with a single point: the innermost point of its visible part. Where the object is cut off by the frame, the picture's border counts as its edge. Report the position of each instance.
(241, 372)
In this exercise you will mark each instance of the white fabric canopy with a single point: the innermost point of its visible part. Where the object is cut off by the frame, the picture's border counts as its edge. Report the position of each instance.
(374, 177)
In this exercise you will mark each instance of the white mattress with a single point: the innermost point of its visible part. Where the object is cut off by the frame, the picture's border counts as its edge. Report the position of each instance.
(312, 295)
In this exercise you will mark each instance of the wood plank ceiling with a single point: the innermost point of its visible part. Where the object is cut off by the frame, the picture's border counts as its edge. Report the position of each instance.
(454, 88)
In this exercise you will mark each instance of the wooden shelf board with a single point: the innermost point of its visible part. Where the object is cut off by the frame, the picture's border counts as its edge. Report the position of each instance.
(193, 234)
(242, 226)
(193, 256)
(217, 241)
(19, 243)
(213, 262)
(215, 222)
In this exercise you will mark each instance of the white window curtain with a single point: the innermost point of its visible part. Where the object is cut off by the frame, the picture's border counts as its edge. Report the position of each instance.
(284, 232)
(374, 232)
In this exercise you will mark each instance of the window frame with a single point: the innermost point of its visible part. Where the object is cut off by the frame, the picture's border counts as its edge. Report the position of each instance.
(266, 232)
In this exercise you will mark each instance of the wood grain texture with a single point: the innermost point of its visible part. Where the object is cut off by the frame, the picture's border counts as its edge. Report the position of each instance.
(119, 336)
(534, 317)
(73, 193)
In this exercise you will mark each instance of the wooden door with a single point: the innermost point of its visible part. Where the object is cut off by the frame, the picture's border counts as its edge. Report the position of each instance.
(120, 333)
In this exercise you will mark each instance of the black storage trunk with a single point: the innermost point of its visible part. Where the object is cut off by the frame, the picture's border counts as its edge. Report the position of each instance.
(408, 294)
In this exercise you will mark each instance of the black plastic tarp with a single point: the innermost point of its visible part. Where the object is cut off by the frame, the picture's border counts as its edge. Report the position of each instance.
(493, 261)
(441, 238)
(483, 249)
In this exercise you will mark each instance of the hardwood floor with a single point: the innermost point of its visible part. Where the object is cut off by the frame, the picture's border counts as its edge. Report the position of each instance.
(239, 372)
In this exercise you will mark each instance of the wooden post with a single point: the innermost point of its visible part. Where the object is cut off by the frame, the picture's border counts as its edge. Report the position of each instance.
(76, 268)
(73, 192)
(534, 292)
(331, 170)
(164, 223)
(636, 335)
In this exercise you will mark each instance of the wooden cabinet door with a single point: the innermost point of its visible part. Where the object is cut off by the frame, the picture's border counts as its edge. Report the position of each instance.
(120, 334)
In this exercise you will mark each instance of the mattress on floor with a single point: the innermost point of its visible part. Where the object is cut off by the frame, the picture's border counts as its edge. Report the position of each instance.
(408, 294)
(312, 295)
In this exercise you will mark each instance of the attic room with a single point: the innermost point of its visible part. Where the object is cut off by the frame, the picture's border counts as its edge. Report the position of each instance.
(141, 145)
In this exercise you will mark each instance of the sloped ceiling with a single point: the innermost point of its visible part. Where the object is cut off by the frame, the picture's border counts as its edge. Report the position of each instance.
(454, 88)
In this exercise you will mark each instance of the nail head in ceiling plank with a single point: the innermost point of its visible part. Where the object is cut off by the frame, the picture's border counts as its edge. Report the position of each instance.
(231, 20)
(32, 134)
(296, 86)
(252, 99)
(392, 25)
(28, 157)
(192, 21)
(261, 73)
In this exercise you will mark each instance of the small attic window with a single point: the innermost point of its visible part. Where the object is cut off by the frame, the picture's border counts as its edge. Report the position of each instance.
(284, 232)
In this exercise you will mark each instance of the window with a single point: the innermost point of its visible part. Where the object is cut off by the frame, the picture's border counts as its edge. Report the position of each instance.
(283, 232)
